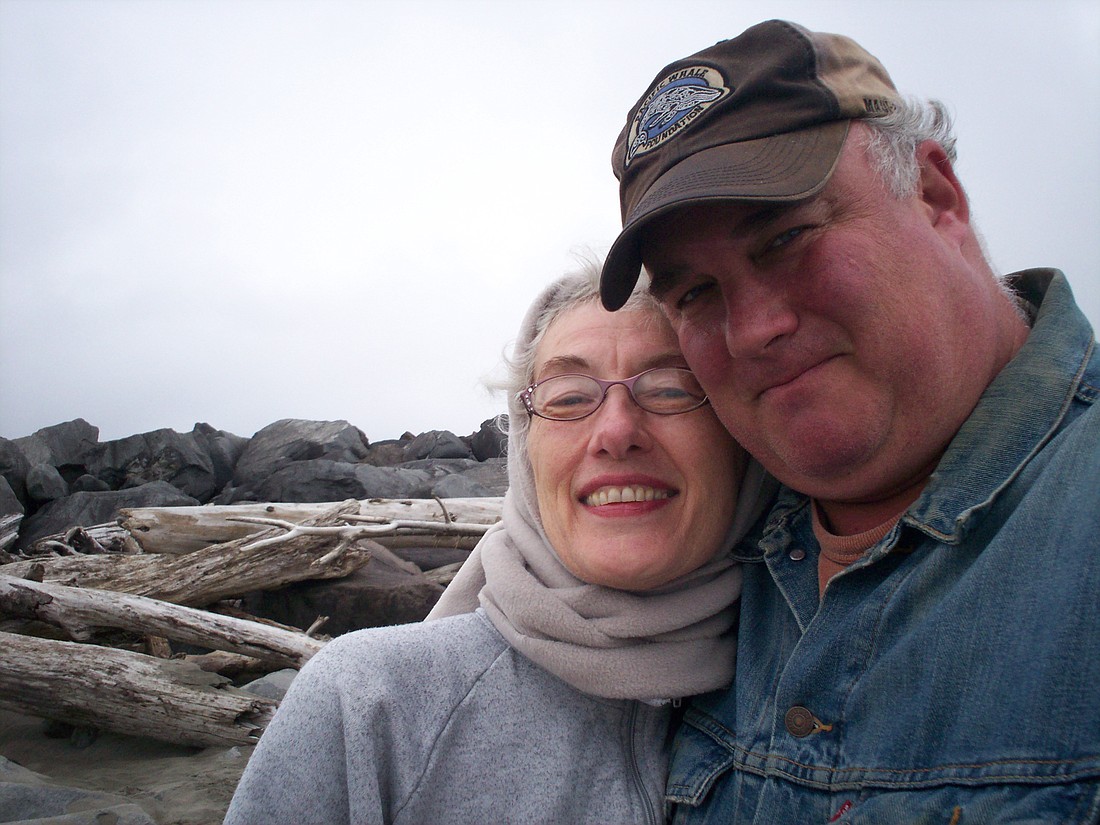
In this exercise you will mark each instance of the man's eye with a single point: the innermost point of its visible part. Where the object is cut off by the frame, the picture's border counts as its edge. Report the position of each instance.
(784, 238)
(692, 294)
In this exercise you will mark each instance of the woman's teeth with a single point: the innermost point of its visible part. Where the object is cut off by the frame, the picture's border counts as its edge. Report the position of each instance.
(618, 495)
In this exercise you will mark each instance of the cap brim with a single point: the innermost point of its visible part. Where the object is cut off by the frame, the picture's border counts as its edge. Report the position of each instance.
(792, 166)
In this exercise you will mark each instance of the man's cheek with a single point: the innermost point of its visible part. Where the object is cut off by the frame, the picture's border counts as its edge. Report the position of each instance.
(704, 347)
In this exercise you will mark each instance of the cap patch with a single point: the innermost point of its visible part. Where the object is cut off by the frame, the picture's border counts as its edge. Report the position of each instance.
(674, 103)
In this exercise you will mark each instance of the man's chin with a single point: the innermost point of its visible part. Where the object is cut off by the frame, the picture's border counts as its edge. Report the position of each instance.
(824, 463)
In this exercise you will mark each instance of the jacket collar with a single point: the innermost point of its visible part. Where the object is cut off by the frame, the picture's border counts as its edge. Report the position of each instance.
(1017, 414)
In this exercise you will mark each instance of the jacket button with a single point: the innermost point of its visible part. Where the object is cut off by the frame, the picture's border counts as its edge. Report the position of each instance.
(798, 554)
(800, 722)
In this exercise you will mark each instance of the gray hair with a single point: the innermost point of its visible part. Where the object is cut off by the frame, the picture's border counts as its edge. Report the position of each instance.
(891, 147)
(571, 290)
(893, 139)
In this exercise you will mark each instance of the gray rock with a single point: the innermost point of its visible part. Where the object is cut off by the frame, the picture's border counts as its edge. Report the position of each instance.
(88, 509)
(224, 448)
(324, 480)
(316, 480)
(436, 444)
(291, 440)
(88, 483)
(11, 517)
(439, 467)
(62, 445)
(492, 474)
(459, 486)
(232, 495)
(386, 453)
(29, 797)
(160, 455)
(429, 558)
(44, 483)
(483, 478)
(373, 596)
(491, 440)
(393, 482)
(14, 467)
(272, 685)
(9, 502)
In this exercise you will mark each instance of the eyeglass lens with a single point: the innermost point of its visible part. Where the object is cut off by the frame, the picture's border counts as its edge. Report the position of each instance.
(664, 391)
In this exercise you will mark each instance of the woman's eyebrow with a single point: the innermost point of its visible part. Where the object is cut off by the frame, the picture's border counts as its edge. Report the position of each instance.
(574, 363)
(562, 363)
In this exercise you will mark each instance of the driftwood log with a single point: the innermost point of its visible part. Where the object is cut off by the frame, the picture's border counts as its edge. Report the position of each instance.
(213, 573)
(145, 575)
(178, 530)
(81, 611)
(130, 693)
(9, 530)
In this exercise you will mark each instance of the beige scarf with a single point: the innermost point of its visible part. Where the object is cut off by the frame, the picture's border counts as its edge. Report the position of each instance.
(674, 641)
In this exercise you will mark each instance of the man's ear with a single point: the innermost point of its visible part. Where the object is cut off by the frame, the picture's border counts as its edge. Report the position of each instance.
(940, 193)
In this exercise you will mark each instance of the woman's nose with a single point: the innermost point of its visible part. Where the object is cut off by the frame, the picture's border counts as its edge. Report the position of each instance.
(619, 426)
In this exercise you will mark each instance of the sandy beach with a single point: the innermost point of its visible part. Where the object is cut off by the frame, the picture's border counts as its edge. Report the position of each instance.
(172, 784)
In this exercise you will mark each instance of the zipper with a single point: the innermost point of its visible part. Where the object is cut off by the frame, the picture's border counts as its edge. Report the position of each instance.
(635, 771)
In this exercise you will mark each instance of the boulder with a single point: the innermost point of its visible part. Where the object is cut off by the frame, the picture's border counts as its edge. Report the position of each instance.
(14, 467)
(11, 516)
(160, 455)
(429, 558)
(492, 474)
(88, 483)
(44, 483)
(482, 478)
(290, 440)
(10, 505)
(387, 453)
(436, 444)
(272, 685)
(459, 486)
(62, 445)
(491, 440)
(224, 448)
(89, 509)
(29, 797)
(372, 596)
(324, 480)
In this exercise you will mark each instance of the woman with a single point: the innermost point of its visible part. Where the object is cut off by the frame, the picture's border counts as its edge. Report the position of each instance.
(605, 591)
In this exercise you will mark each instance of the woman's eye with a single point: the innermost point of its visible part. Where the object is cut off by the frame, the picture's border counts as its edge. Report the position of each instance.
(572, 400)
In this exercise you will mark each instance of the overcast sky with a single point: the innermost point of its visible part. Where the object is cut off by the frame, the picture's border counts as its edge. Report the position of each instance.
(236, 212)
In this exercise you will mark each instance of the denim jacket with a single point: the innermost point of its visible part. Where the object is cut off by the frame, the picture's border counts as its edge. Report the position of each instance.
(952, 674)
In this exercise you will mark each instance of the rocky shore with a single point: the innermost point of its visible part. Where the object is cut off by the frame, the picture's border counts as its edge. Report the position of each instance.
(63, 477)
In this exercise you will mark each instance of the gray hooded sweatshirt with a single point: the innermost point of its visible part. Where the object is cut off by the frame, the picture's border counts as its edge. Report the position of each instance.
(444, 722)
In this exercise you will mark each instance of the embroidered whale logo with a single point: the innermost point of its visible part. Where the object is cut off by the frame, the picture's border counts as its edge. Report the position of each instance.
(678, 100)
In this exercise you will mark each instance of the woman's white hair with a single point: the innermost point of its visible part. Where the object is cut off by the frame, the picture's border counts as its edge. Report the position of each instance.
(567, 292)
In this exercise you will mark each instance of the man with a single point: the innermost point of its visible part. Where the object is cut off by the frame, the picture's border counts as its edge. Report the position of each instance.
(920, 628)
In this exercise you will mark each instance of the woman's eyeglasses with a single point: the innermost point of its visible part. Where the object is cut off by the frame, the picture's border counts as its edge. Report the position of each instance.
(572, 396)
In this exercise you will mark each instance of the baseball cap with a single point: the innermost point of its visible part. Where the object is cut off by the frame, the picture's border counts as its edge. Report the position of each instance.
(760, 117)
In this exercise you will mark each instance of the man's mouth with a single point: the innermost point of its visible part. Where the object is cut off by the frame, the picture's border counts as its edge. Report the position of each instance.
(794, 375)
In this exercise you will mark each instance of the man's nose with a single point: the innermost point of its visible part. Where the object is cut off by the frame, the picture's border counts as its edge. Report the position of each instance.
(757, 315)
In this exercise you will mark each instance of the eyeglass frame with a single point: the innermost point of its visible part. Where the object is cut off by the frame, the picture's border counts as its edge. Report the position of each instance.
(604, 385)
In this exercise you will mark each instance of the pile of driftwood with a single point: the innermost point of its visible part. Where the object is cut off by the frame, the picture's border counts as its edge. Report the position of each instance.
(88, 621)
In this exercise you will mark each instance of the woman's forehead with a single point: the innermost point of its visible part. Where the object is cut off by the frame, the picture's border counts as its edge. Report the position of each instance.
(588, 335)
